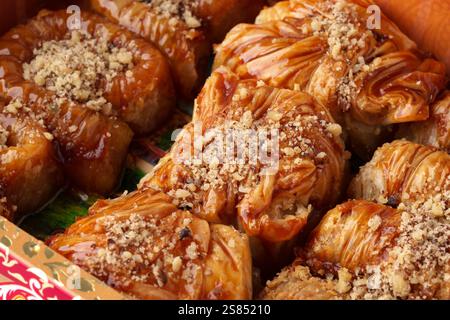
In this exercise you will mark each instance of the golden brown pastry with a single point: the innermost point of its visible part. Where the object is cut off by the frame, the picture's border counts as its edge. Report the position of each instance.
(269, 190)
(180, 37)
(352, 235)
(93, 144)
(435, 131)
(30, 174)
(93, 154)
(182, 29)
(369, 79)
(99, 65)
(364, 250)
(142, 245)
(402, 171)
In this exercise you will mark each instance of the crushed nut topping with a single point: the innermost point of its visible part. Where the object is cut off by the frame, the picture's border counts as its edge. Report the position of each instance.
(346, 36)
(228, 153)
(8, 156)
(139, 244)
(374, 222)
(176, 9)
(74, 68)
(341, 28)
(419, 263)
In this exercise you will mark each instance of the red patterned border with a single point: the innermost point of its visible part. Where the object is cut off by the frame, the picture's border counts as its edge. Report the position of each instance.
(27, 282)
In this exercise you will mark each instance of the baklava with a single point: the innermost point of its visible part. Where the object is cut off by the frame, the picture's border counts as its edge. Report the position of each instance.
(370, 78)
(364, 250)
(145, 247)
(236, 182)
(30, 173)
(183, 30)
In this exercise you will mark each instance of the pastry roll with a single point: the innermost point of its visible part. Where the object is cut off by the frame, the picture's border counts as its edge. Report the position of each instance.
(93, 143)
(254, 156)
(178, 35)
(377, 252)
(182, 29)
(143, 246)
(93, 146)
(353, 235)
(30, 174)
(402, 171)
(100, 65)
(370, 79)
(435, 131)
(364, 250)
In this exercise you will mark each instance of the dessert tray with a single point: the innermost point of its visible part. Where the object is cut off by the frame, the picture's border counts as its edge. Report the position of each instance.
(209, 149)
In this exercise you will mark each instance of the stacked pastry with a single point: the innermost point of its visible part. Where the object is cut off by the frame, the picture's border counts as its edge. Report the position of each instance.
(391, 244)
(74, 91)
(90, 84)
(371, 77)
(269, 201)
(264, 156)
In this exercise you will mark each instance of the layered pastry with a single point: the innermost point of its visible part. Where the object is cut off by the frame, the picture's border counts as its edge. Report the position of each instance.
(182, 29)
(370, 78)
(30, 175)
(256, 157)
(402, 171)
(145, 247)
(97, 64)
(435, 131)
(93, 147)
(363, 250)
(252, 185)
(92, 141)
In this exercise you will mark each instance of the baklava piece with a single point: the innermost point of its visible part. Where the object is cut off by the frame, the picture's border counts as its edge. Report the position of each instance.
(30, 174)
(183, 29)
(177, 34)
(143, 246)
(364, 250)
(99, 65)
(371, 79)
(269, 157)
(92, 141)
(295, 282)
(403, 171)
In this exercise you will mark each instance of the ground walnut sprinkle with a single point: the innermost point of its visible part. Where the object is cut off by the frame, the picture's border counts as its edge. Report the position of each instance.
(74, 68)
(229, 153)
(145, 249)
(346, 37)
(419, 263)
(176, 9)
